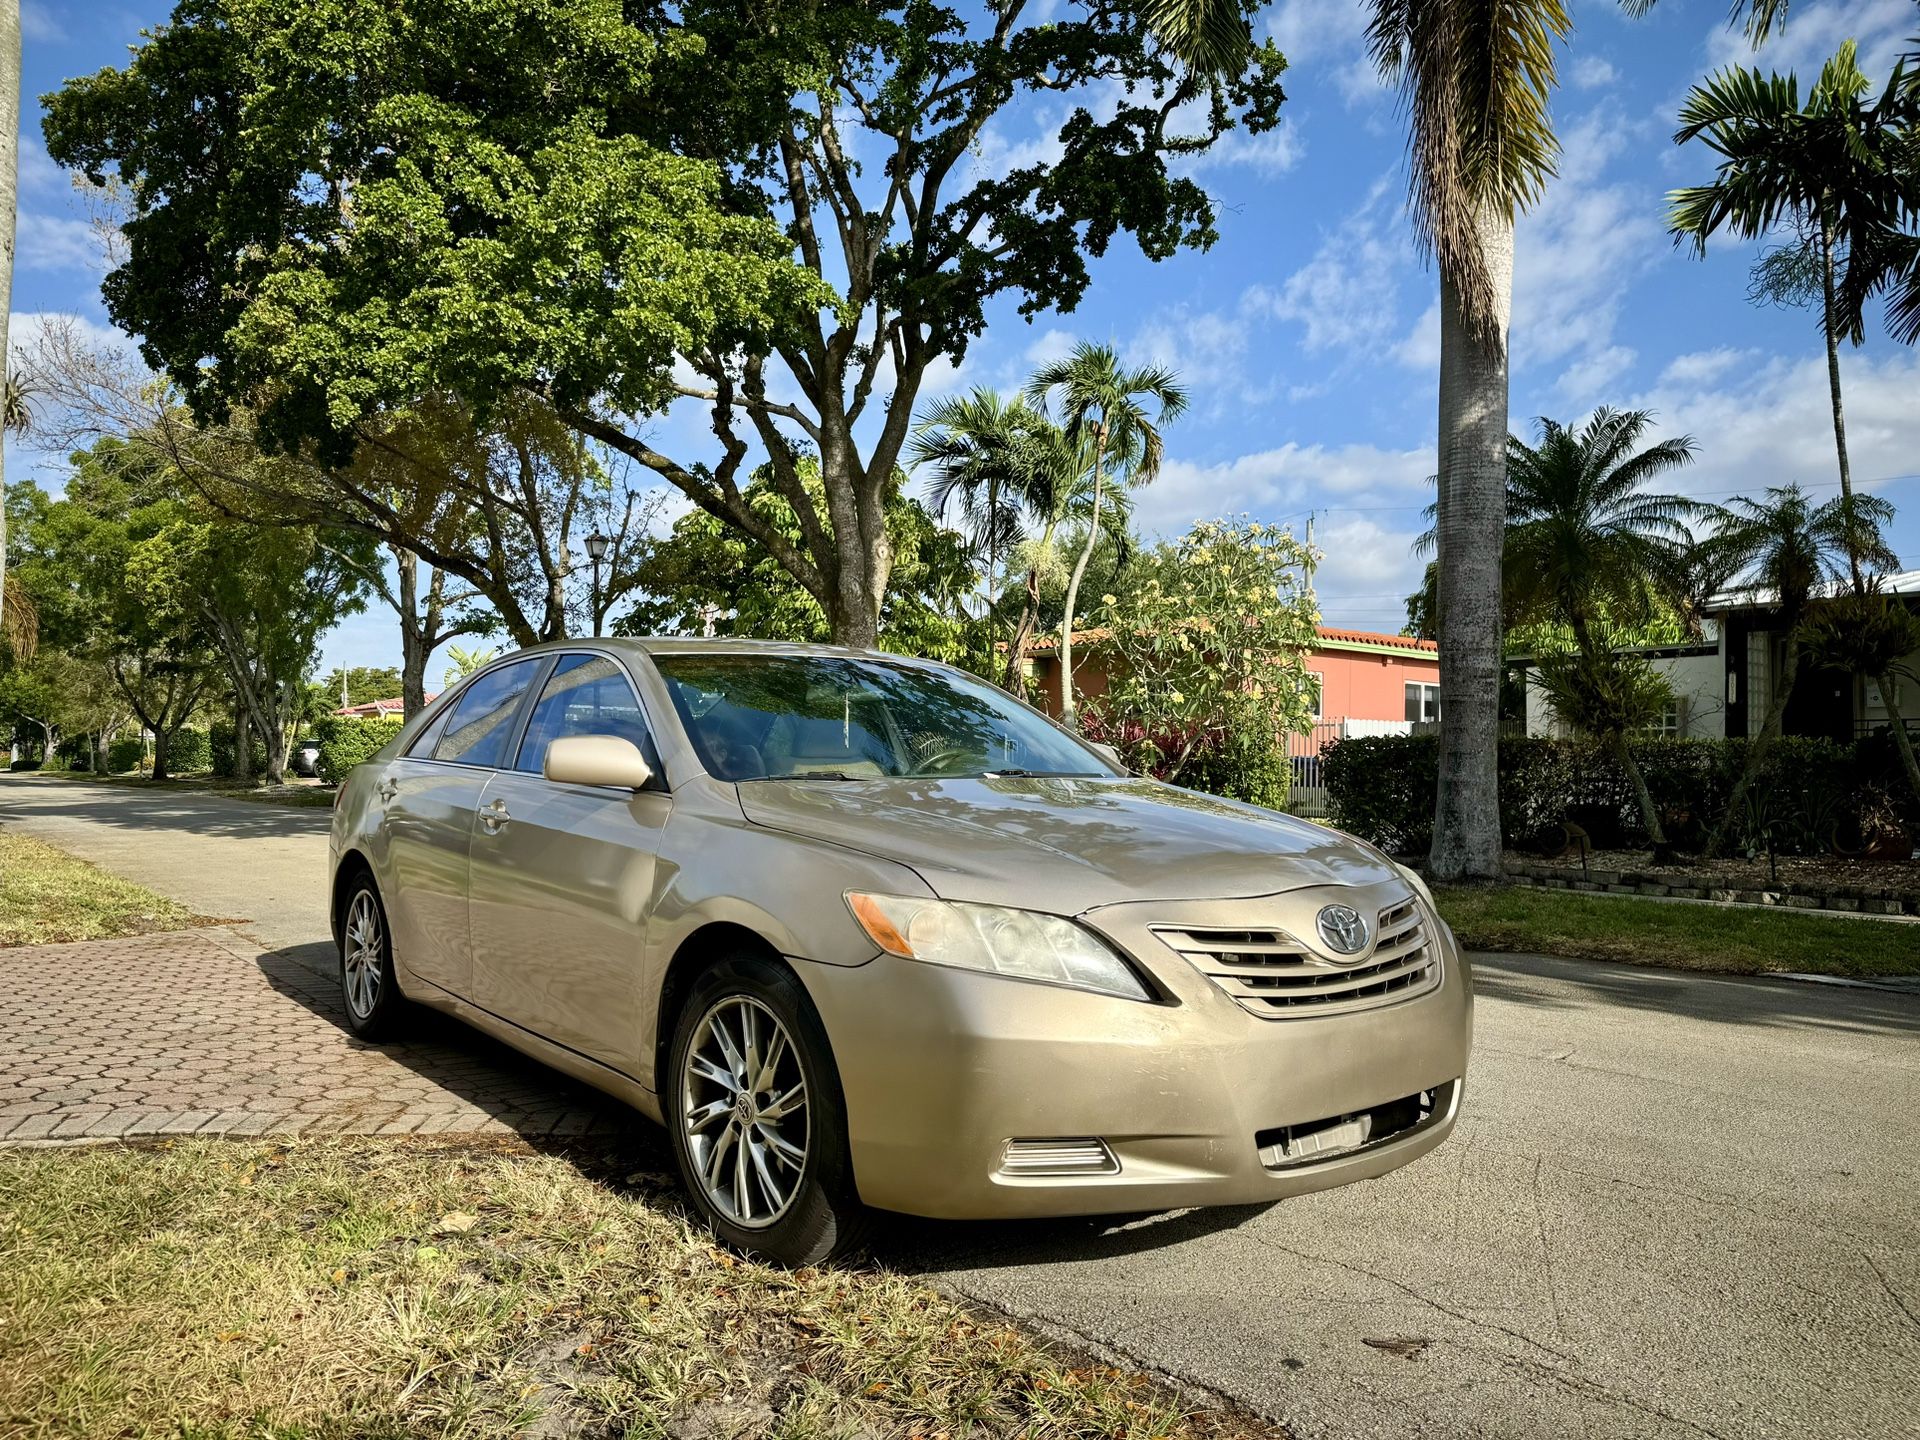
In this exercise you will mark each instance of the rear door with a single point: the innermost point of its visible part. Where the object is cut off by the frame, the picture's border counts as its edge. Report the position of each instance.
(432, 796)
(564, 876)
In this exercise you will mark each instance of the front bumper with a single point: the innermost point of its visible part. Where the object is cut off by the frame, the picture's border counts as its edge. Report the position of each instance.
(941, 1068)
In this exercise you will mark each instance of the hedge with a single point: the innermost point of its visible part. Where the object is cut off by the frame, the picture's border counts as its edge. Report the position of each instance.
(220, 751)
(1809, 796)
(346, 741)
(129, 752)
(190, 751)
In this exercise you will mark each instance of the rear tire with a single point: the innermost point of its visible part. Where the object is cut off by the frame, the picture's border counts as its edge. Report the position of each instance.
(375, 1007)
(752, 1100)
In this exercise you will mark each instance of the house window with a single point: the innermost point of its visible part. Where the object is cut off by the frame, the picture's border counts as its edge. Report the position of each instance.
(1672, 723)
(1315, 684)
(1423, 702)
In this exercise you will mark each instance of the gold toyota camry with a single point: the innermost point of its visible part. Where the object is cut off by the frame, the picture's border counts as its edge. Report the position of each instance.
(864, 932)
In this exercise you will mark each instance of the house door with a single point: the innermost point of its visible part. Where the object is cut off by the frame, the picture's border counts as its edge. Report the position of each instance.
(1821, 705)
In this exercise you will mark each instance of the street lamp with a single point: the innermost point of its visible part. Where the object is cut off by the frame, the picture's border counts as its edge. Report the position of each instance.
(596, 552)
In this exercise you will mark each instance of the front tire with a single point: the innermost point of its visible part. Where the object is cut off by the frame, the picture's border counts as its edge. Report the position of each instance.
(759, 1129)
(375, 1007)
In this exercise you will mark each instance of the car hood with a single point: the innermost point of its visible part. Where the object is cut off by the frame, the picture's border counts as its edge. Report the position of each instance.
(1066, 845)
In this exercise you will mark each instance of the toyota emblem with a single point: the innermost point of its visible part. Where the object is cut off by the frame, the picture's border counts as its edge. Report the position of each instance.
(1342, 927)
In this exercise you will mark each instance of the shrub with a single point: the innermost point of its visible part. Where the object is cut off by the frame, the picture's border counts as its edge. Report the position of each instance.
(346, 741)
(220, 746)
(190, 750)
(1807, 798)
(1244, 761)
(125, 754)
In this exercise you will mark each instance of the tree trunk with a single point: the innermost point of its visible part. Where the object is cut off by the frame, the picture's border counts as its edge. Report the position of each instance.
(413, 640)
(1761, 747)
(1902, 741)
(242, 742)
(1839, 415)
(1067, 706)
(102, 742)
(1472, 530)
(9, 194)
(162, 742)
(1636, 777)
(279, 745)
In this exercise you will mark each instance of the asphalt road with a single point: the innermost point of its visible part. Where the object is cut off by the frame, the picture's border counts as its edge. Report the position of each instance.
(1675, 1206)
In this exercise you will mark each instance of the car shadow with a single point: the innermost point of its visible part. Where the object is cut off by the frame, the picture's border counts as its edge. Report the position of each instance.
(1757, 1000)
(630, 1154)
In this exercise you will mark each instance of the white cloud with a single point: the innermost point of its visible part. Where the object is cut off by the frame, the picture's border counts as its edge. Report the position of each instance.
(1767, 422)
(1420, 349)
(39, 26)
(1287, 477)
(1347, 295)
(1591, 72)
(1812, 32)
(1585, 383)
(1577, 252)
(53, 242)
(1328, 38)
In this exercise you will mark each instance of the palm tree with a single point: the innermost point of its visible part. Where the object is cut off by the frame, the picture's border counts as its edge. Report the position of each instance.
(15, 408)
(1788, 548)
(1588, 546)
(1837, 170)
(1102, 410)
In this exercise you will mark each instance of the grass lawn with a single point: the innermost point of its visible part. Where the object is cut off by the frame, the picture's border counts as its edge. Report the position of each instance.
(398, 1288)
(1727, 939)
(47, 896)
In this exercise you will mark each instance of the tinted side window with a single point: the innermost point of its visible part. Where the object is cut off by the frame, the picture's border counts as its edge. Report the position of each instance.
(482, 722)
(586, 695)
(428, 740)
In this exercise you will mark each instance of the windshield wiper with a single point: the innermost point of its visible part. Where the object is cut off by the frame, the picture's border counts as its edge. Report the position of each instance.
(1015, 774)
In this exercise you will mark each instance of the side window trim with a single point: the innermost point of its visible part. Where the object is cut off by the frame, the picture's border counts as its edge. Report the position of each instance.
(651, 749)
(542, 664)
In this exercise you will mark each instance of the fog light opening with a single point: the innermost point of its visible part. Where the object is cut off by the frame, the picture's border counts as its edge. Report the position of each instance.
(1078, 1155)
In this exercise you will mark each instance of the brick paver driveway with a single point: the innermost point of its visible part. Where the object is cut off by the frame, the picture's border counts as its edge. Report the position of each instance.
(232, 1029)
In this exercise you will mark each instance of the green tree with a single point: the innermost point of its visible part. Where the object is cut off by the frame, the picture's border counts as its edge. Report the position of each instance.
(1839, 172)
(339, 209)
(1787, 549)
(14, 416)
(1210, 641)
(465, 661)
(1872, 635)
(353, 685)
(707, 577)
(1105, 411)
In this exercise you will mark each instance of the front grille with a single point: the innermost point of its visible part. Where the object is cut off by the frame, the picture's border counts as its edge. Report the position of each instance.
(1273, 975)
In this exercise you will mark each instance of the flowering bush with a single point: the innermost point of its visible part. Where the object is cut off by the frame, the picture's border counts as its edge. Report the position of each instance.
(1209, 647)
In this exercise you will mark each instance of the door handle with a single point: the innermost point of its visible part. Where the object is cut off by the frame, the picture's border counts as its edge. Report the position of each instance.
(494, 816)
(387, 789)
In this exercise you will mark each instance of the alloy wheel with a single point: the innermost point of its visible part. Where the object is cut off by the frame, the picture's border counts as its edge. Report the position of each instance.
(744, 1098)
(363, 958)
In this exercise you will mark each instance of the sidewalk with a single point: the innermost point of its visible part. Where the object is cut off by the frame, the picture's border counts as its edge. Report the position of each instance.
(204, 1031)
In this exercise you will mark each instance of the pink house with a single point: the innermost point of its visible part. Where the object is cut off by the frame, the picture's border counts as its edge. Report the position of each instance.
(1369, 684)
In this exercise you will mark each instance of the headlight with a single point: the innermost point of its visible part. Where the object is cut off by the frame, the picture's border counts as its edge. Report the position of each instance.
(1022, 943)
(1412, 877)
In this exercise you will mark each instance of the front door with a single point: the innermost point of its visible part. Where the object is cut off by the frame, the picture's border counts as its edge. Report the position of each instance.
(431, 802)
(563, 878)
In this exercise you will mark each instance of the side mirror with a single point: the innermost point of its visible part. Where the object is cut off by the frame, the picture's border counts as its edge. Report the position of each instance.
(1109, 754)
(597, 760)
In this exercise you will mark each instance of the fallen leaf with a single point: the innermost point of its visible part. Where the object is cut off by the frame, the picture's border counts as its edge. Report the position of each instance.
(1408, 1347)
(339, 1277)
(458, 1222)
(427, 1252)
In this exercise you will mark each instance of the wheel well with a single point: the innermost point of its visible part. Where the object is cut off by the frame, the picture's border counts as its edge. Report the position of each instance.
(707, 945)
(352, 866)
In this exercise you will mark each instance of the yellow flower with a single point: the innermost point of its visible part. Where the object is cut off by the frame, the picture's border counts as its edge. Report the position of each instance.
(1108, 600)
(1177, 698)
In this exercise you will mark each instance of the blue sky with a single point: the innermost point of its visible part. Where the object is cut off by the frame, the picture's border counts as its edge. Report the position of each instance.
(1308, 335)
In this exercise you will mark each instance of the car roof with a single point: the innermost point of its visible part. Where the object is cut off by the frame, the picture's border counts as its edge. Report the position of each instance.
(716, 645)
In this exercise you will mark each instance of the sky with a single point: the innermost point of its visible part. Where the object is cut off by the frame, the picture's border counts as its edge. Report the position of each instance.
(1309, 334)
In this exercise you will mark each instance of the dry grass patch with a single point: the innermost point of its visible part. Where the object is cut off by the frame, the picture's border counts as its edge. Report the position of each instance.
(47, 896)
(374, 1289)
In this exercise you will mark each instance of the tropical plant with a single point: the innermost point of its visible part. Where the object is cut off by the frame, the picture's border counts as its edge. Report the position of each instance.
(1104, 408)
(1209, 643)
(1871, 635)
(1590, 548)
(1787, 550)
(1611, 696)
(1837, 171)
(465, 661)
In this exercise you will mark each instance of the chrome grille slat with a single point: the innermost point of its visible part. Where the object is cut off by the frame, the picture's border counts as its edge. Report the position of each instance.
(1269, 973)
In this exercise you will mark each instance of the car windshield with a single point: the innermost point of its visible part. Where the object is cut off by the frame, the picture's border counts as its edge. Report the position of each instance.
(831, 717)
